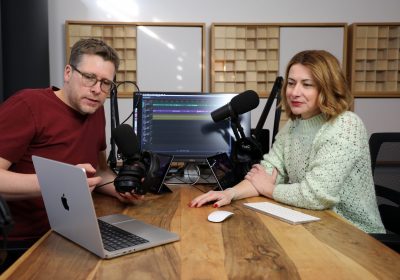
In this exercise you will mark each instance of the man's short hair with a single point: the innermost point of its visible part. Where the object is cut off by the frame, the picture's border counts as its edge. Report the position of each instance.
(95, 47)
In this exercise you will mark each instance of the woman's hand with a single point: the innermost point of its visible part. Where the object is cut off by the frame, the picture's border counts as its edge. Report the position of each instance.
(263, 182)
(221, 198)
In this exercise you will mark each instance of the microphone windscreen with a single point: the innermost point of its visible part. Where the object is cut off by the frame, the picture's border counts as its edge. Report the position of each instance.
(221, 113)
(245, 102)
(126, 140)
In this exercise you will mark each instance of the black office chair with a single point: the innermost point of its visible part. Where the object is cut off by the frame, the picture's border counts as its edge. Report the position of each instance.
(385, 162)
(10, 251)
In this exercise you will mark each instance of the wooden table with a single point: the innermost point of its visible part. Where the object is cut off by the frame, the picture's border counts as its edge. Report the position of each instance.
(249, 245)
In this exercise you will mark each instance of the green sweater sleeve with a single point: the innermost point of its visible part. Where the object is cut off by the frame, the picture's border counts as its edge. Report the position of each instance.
(336, 149)
(275, 157)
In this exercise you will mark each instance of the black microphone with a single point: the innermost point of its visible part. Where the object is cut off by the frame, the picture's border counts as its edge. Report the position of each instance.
(126, 141)
(130, 175)
(240, 104)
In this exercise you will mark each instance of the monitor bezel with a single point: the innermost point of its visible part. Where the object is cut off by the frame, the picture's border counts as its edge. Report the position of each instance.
(245, 120)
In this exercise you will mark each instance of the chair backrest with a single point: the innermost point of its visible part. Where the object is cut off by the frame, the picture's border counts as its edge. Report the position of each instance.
(385, 162)
(377, 140)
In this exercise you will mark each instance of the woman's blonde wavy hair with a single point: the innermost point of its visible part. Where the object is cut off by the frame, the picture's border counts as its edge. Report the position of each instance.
(334, 94)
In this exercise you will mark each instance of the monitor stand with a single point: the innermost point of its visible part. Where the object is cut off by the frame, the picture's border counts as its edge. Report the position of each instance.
(164, 189)
(192, 173)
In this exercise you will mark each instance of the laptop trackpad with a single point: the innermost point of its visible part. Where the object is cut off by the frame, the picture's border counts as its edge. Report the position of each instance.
(129, 224)
(116, 218)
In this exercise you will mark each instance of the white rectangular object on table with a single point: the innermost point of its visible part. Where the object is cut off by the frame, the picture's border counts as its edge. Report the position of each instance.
(285, 214)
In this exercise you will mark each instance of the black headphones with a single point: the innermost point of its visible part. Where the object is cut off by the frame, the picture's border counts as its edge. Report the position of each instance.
(152, 164)
(130, 176)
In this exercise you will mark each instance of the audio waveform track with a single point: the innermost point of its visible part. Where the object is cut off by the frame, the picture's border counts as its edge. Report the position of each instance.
(172, 117)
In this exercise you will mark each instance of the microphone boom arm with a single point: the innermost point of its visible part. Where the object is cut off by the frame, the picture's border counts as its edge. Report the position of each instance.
(274, 92)
(237, 128)
(114, 115)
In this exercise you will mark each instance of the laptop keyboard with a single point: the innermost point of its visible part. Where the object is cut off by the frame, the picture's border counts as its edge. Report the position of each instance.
(115, 238)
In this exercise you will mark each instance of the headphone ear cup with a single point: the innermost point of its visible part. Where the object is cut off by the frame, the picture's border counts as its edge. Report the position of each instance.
(152, 163)
(129, 178)
(137, 169)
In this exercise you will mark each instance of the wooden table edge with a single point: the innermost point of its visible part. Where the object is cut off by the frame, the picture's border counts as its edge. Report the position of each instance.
(24, 256)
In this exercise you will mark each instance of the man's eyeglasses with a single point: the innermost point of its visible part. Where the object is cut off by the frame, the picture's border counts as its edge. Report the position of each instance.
(90, 80)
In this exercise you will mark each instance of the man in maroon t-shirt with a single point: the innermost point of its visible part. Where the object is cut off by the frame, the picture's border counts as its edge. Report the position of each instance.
(66, 124)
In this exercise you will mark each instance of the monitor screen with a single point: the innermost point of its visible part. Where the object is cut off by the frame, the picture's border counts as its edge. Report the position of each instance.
(180, 124)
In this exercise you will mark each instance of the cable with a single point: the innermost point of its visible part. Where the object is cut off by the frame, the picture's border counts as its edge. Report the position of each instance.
(119, 180)
(133, 99)
(187, 172)
(206, 176)
(102, 185)
(112, 157)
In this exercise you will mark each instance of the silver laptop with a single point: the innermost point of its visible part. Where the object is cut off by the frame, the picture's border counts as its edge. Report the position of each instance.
(71, 213)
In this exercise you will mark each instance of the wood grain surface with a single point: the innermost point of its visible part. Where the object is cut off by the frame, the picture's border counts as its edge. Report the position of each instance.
(249, 245)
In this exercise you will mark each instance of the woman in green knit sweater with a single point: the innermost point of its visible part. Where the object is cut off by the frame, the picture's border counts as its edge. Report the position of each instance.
(320, 158)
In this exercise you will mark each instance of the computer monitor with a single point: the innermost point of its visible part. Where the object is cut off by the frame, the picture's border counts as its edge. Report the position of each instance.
(180, 124)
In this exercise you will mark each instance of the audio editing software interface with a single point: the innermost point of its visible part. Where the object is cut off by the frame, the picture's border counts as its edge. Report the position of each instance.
(181, 124)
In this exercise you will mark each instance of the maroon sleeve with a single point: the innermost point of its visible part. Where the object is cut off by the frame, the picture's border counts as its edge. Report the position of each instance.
(17, 128)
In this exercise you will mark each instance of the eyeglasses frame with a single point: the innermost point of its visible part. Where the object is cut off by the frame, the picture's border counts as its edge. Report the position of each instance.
(91, 76)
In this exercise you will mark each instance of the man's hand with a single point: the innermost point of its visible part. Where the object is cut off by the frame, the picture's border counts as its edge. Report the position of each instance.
(92, 181)
(129, 197)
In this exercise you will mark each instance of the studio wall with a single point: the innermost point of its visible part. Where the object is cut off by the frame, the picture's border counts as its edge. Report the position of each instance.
(24, 45)
(379, 114)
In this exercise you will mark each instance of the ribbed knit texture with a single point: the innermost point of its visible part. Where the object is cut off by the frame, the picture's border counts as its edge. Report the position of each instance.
(326, 165)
